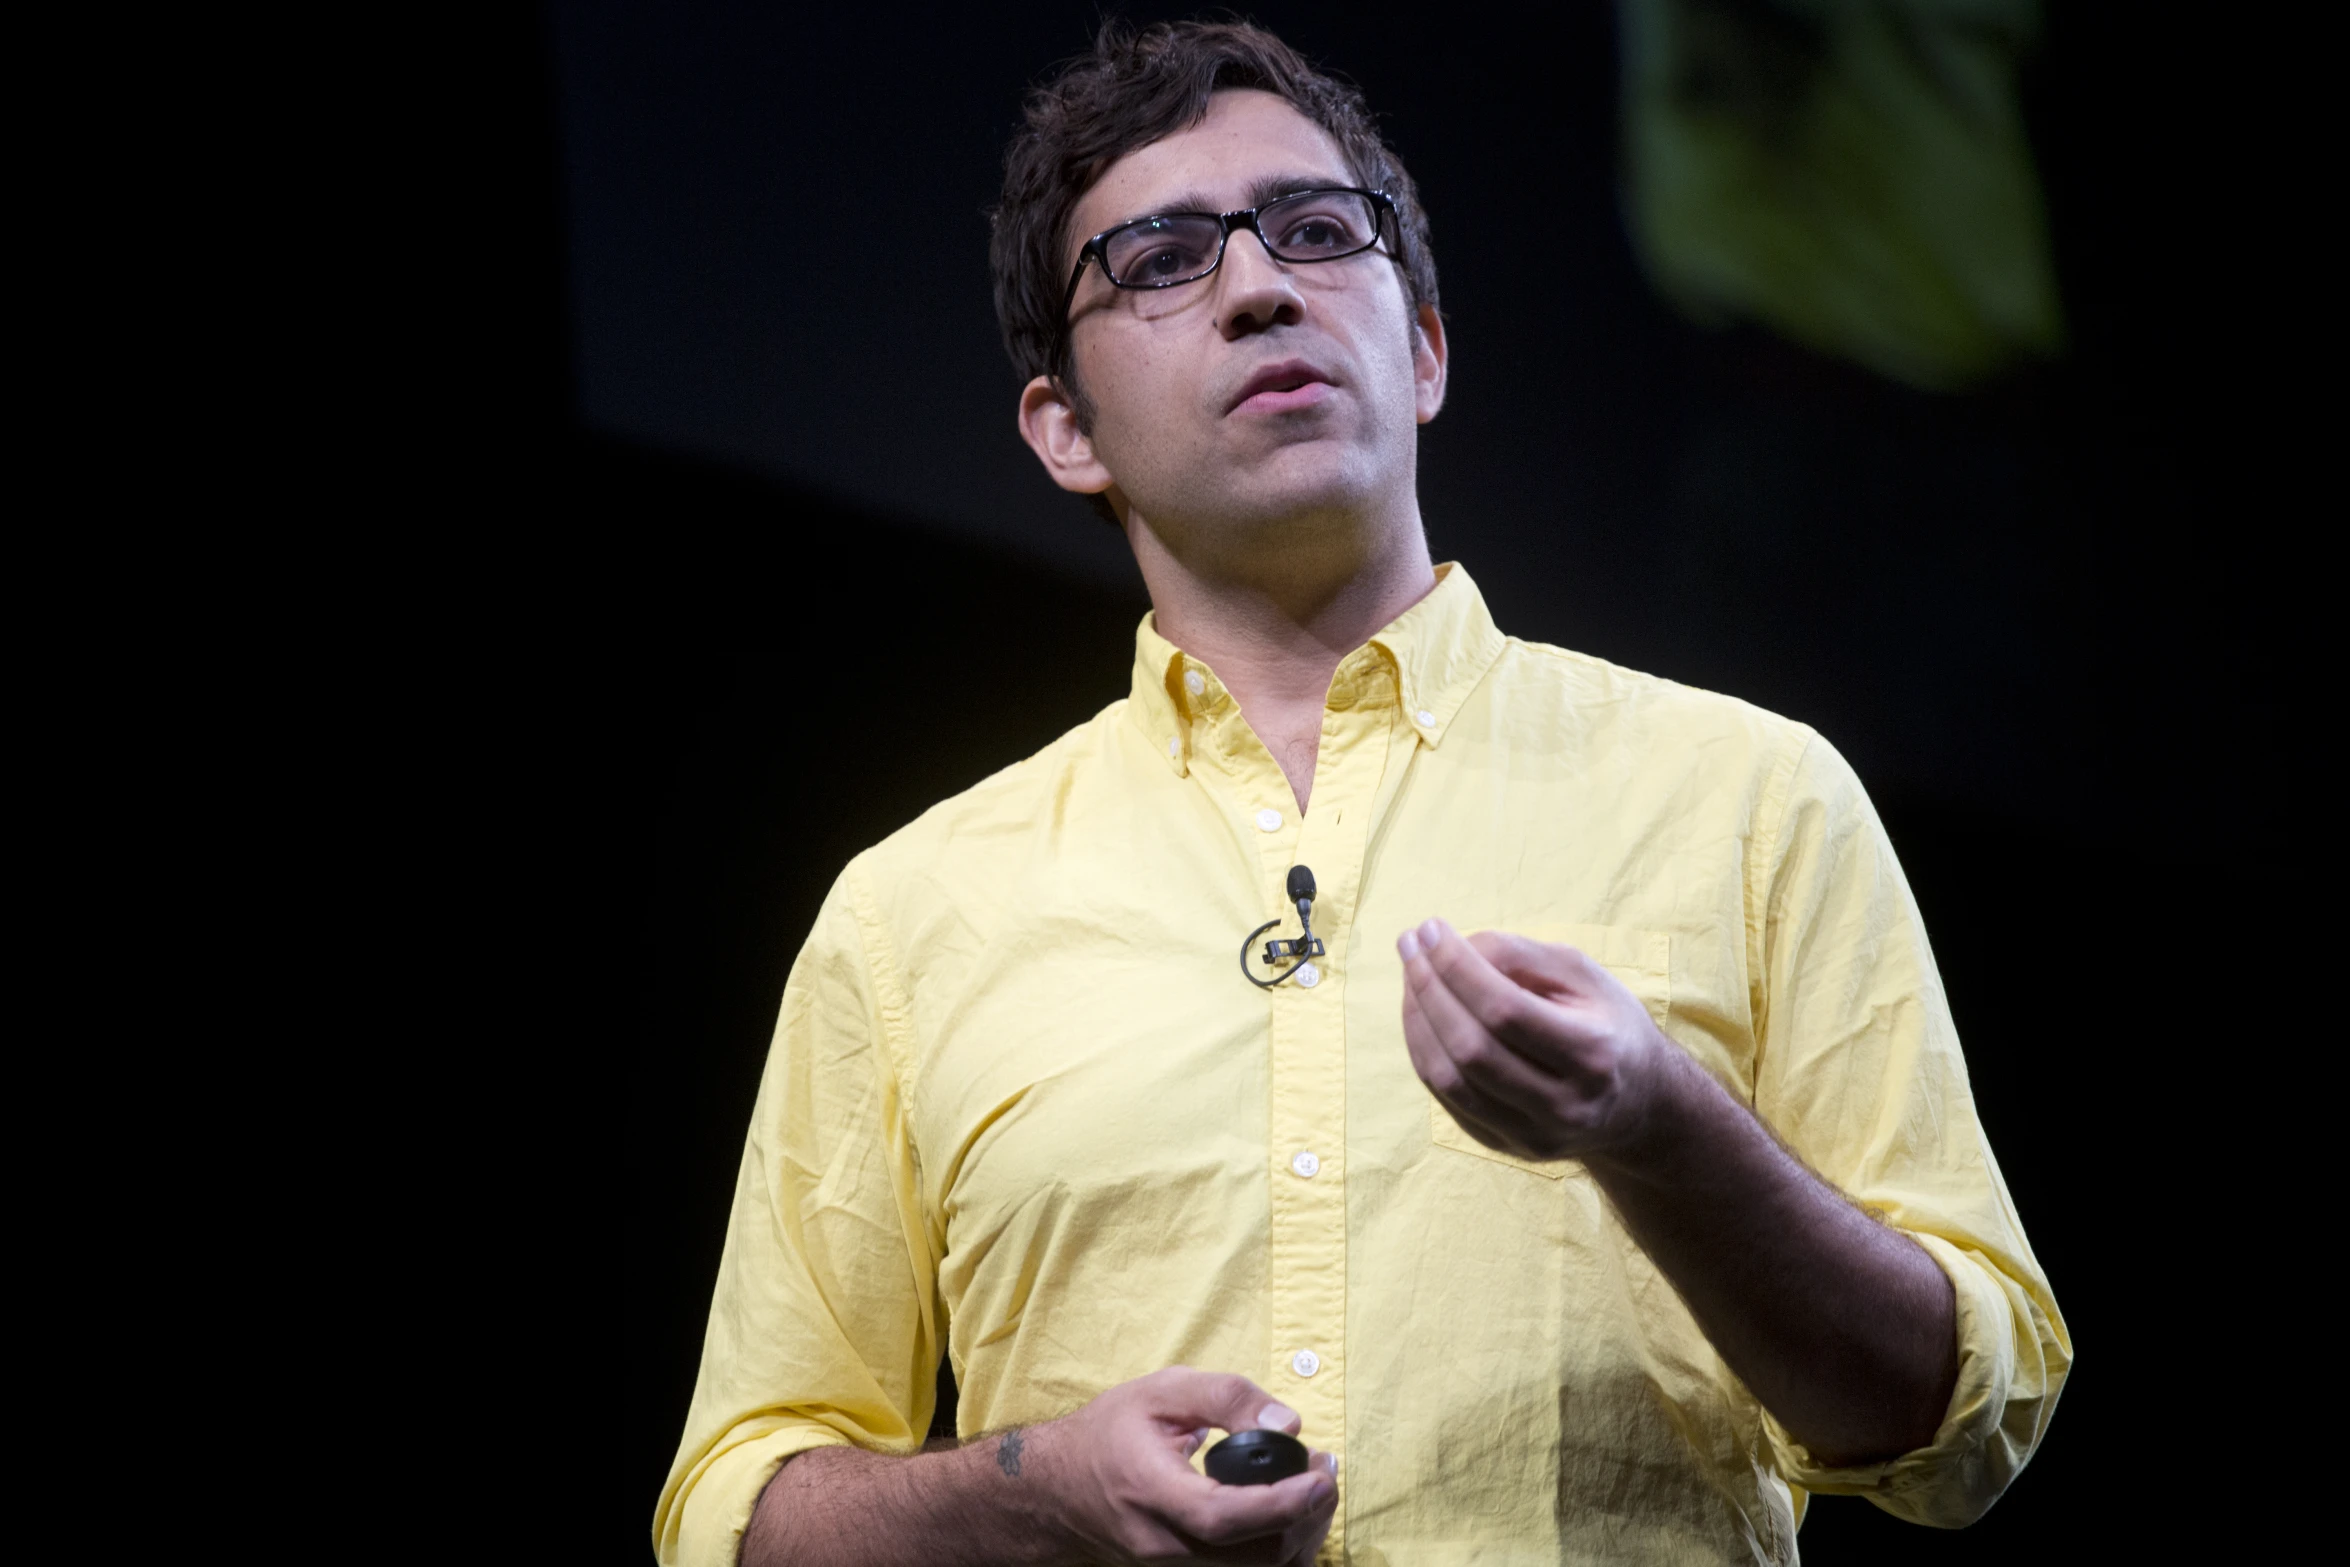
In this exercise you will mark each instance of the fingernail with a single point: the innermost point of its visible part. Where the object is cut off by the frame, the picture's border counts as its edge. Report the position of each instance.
(1432, 933)
(1275, 1416)
(1408, 944)
(1321, 1490)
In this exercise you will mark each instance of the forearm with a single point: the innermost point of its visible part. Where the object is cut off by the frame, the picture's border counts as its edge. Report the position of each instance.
(1111, 1481)
(983, 1505)
(1842, 1326)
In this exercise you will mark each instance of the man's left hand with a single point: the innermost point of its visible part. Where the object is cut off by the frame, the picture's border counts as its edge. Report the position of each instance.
(1536, 1049)
(1540, 1052)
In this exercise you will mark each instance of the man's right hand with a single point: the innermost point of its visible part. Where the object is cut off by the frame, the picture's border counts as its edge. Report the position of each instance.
(1111, 1483)
(1121, 1466)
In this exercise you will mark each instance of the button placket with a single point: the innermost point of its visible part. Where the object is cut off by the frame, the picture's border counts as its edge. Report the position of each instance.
(1308, 1081)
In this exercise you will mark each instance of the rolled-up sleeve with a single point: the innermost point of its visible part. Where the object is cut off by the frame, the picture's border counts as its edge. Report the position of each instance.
(1860, 1071)
(824, 1325)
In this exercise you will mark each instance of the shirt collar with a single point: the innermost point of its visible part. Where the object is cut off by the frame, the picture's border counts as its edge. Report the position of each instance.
(1439, 648)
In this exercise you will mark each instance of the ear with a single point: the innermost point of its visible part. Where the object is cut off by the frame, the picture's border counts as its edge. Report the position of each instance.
(1048, 423)
(1428, 362)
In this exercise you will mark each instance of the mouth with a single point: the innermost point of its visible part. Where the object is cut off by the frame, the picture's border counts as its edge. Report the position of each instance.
(1282, 388)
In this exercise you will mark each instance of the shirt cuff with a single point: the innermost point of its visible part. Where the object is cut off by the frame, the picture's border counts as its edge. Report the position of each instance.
(702, 1525)
(1951, 1481)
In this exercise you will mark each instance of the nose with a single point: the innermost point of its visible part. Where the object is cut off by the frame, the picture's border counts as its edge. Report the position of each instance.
(1255, 291)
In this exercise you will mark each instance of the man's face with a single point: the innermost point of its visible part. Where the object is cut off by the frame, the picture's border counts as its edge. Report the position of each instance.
(1268, 391)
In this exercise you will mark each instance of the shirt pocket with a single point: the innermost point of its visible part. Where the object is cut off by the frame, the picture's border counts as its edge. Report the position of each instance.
(1642, 959)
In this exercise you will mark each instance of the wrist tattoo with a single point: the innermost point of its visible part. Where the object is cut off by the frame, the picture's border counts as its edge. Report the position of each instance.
(1007, 1452)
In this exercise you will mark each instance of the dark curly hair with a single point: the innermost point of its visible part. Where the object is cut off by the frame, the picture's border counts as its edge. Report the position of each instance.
(1132, 89)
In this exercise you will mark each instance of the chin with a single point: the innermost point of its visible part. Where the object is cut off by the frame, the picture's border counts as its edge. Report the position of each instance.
(1311, 492)
(1305, 483)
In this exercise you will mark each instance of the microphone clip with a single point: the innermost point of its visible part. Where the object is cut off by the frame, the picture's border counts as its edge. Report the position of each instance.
(1293, 953)
(1284, 951)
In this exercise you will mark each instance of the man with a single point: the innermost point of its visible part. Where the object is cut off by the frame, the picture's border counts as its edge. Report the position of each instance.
(1605, 1179)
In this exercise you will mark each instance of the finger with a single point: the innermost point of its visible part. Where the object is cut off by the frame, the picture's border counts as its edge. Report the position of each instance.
(1492, 1003)
(1227, 1514)
(1545, 967)
(1231, 1402)
(1449, 1005)
(1445, 1015)
(1480, 1113)
(1300, 1540)
(1496, 1114)
(1304, 1539)
(1492, 997)
(1515, 1080)
(1419, 1039)
(1582, 988)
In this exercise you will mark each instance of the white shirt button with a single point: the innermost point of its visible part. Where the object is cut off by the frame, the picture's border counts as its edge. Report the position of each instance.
(1194, 682)
(1174, 745)
(1305, 1362)
(1308, 975)
(1426, 718)
(1307, 1165)
(1269, 820)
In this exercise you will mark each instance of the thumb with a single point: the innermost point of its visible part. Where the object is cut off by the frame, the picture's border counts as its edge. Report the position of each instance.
(1227, 1400)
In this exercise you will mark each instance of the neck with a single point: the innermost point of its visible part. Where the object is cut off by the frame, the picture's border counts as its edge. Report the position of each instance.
(1274, 623)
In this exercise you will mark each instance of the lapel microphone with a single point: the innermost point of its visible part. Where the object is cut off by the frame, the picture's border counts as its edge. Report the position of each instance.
(1294, 953)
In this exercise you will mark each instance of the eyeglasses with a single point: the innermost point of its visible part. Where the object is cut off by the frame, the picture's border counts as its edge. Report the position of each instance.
(1183, 247)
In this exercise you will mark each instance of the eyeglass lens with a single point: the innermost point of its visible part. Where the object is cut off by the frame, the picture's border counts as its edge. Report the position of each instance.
(1315, 225)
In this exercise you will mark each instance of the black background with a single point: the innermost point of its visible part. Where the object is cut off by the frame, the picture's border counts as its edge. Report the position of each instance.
(837, 589)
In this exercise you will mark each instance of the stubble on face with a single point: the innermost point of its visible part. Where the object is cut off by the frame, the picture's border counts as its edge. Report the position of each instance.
(1165, 370)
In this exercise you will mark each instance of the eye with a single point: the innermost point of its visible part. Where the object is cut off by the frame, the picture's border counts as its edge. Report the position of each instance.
(1163, 250)
(1321, 224)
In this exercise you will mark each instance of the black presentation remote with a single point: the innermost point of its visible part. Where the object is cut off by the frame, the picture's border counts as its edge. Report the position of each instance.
(1256, 1458)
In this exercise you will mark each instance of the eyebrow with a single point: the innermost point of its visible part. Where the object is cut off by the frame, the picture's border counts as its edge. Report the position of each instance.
(1268, 189)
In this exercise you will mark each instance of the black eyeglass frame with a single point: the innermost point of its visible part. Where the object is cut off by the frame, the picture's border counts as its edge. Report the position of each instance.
(1097, 249)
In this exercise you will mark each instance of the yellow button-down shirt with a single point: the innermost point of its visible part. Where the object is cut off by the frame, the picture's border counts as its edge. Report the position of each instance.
(1022, 1108)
